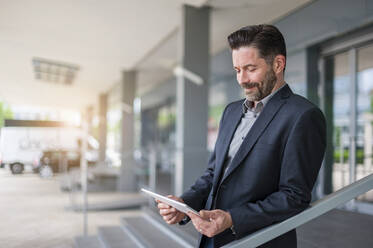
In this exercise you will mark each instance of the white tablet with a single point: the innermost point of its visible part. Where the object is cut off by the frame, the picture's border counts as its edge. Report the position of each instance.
(182, 207)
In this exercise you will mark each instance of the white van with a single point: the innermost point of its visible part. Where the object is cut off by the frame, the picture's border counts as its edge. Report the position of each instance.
(22, 146)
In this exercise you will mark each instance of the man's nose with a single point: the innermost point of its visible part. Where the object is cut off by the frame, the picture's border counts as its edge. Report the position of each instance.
(243, 77)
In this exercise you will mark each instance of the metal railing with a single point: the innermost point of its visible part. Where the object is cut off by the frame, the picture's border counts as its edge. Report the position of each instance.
(317, 209)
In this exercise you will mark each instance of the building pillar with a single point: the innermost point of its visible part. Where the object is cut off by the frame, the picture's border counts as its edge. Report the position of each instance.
(192, 97)
(313, 92)
(103, 102)
(89, 119)
(127, 180)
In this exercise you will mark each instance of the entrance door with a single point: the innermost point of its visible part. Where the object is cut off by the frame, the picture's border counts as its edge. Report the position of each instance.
(364, 101)
(348, 79)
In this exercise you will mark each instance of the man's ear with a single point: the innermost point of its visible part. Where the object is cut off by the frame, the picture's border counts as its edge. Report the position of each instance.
(279, 63)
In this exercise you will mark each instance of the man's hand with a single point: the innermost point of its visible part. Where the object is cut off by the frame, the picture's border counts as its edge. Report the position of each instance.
(211, 222)
(170, 214)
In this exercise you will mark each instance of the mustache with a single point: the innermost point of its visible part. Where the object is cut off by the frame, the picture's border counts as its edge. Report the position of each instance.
(249, 85)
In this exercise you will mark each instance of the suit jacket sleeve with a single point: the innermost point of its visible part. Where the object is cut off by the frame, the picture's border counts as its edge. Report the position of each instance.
(301, 161)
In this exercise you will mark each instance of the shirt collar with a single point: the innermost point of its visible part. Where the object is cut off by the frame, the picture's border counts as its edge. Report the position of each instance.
(249, 105)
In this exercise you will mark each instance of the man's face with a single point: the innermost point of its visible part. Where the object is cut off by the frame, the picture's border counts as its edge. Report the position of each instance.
(254, 75)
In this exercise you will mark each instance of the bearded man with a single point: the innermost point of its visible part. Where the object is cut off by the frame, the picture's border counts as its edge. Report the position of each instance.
(267, 155)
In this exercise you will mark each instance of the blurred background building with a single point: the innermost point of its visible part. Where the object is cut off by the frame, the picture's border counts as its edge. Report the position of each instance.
(151, 80)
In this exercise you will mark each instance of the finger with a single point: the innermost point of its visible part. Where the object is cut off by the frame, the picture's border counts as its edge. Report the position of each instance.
(163, 205)
(165, 211)
(195, 219)
(170, 215)
(196, 225)
(199, 223)
(172, 197)
(157, 201)
(195, 216)
(167, 217)
(203, 213)
(208, 215)
(173, 220)
(207, 226)
(192, 215)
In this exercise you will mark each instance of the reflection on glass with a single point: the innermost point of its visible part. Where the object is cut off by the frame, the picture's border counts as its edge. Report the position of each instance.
(295, 73)
(364, 116)
(114, 120)
(341, 110)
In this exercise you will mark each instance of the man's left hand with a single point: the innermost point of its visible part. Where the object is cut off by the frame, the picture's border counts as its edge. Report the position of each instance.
(211, 222)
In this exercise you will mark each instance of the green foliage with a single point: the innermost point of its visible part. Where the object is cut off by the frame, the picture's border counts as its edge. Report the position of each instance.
(359, 156)
(215, 113)
(114, 127)
(337, 131)
(5, 113)
(166, 118)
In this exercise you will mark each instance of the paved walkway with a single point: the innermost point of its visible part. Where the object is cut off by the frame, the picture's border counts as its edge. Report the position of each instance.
(33, 213)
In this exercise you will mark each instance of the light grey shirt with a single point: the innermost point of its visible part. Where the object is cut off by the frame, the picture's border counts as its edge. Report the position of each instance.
(249, 116)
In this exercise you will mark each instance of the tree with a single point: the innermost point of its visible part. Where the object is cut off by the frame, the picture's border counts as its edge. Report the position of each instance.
(5, 113)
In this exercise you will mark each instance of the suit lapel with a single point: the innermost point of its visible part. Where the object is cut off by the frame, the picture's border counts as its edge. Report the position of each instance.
(265, 117)
(234, 119)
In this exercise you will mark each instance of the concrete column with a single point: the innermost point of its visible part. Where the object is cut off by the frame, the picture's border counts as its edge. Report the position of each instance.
(89, 119)
(192, 97)
(103, 100)
(127, 180)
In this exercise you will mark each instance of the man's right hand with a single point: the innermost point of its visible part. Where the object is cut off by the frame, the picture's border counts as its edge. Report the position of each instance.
(170, 214)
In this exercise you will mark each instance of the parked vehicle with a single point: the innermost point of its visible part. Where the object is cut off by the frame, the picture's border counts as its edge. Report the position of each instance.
(61, 160)
(22, 145)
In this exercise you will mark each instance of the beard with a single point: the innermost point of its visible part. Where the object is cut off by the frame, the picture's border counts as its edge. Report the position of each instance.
(263, 89)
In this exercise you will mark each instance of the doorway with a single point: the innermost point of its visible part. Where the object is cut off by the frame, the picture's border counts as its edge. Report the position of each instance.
(347, 78)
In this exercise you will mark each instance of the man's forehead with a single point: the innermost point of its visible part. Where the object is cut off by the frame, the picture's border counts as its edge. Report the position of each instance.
(245, 56)
(250, 49)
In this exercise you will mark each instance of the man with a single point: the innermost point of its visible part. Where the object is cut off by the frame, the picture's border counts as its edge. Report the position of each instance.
(267, 155)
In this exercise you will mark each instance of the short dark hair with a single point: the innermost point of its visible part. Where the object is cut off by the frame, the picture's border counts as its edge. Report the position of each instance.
(266, 38)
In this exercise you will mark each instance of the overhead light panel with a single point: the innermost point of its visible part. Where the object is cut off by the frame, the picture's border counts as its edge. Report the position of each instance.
(54, 71)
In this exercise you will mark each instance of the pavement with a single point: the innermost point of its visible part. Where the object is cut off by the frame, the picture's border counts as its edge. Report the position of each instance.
(34, 213)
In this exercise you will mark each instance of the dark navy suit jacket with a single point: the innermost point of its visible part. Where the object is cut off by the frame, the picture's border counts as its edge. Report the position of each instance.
(272, 174)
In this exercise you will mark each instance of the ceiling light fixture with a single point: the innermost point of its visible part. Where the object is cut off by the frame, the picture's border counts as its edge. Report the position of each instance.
(54, 71)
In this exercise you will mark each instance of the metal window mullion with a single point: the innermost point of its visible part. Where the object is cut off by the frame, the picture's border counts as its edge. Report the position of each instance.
(353, 115)
(321, 92)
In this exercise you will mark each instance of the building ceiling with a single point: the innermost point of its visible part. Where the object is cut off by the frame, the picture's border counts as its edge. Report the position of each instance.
(103, 38)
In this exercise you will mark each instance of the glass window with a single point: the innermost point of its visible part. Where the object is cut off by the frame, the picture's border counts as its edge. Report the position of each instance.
(341, 111)
(295, 73)
(364, 116)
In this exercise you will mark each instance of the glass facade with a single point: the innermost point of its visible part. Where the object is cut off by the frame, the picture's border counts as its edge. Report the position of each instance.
(223, 90)
(113, 136)
(365, 115)
(341, 112)
(295, 72)
(352, 114)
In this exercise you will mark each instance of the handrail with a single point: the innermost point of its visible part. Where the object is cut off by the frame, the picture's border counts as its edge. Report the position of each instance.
(317, 208)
